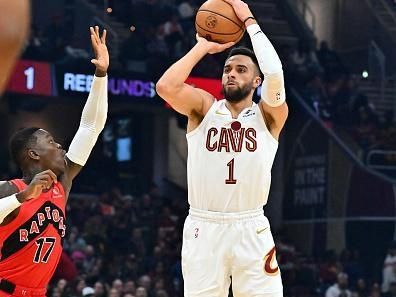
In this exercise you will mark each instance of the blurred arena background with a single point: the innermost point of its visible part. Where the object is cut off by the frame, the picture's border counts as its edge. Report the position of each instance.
(332, 202)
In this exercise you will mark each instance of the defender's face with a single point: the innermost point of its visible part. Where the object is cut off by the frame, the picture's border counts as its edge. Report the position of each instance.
(239, 78)
(51, 154)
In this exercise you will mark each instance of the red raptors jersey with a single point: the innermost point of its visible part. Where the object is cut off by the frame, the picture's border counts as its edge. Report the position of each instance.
(31, 244)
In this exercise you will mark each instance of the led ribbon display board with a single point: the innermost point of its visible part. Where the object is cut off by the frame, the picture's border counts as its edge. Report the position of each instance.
(45, 79)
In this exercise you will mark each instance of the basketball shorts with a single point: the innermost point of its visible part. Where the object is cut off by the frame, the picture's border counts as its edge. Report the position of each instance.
(9, 289)
(220, 247)
(3, 294)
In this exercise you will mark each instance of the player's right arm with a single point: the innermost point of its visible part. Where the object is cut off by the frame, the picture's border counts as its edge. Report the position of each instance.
(185, 99)
(11, 199)
(94, 114)
(273, 104)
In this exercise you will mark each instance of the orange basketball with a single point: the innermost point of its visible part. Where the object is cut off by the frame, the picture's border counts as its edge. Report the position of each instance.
(216, 21)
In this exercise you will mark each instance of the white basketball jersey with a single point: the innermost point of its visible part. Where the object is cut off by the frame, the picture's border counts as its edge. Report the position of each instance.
(230, 160)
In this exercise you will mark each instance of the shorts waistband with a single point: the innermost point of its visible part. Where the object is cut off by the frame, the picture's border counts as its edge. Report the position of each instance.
(16, 290)
(225, 217)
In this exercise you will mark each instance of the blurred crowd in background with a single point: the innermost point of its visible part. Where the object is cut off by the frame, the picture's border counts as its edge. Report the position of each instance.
(165, 32)
(123, 246)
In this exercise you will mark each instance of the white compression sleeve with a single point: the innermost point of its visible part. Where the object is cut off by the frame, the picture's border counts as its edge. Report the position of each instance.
(273, 87)
(92, 122)
(7, 205)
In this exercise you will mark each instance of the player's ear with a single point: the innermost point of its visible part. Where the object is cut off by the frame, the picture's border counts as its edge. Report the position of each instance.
(257, 81)
(33, 154)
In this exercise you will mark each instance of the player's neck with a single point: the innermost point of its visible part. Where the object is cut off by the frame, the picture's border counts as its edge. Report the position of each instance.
(29, 173)
(236, 107)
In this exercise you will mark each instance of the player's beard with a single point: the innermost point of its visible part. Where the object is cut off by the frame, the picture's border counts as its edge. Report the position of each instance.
(237, 94)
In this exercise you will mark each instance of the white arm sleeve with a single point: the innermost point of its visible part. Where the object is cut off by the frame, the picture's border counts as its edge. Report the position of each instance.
(273, 87)
(92, 122)
(7, 205)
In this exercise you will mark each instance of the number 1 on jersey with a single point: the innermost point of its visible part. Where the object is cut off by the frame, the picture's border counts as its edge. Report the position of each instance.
(230, 180)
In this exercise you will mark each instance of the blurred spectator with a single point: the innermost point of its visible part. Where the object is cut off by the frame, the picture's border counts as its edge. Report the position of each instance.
(187, 10)
(145, 282)
(375, 291)
(118, 285)
(158, 50)
(130, 269)
(392, 290)
(173, 32)
(114, 293)
(88, 292)
(100, 290)
(328, 59)
(351, 263)
(304, 61)
(316, 94)
(361, 288)
(340, 288)
(141, 292)
(365, 129)
(57, 38)
(81, 284)
(133, 53)
(330, 268)
(35, 49)
(389, 268)
(129, 287)
(353, 96)
(387, 132)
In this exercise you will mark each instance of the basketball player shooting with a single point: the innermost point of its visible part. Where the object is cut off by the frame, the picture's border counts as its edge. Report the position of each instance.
(32, 209)
(231, 147)
(14, 23)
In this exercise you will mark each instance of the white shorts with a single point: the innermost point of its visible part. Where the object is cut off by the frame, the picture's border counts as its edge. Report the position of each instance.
(221, 246)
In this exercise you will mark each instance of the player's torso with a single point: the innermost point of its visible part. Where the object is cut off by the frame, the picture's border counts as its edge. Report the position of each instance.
(230, 160)
(31, 244)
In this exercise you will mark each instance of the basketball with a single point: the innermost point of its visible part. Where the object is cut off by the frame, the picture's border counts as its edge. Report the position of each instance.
(216, 21)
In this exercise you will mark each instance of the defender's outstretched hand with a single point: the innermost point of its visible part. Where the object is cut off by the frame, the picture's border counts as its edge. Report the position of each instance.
(213, 47)
(102, 59)
(241, 9)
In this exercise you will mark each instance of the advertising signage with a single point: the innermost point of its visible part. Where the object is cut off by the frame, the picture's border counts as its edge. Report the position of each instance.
(31, 77)
(45, 79)
(125, 87)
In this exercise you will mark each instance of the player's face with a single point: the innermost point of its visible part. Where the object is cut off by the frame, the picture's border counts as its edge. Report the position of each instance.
(51, 154)
(239, 78)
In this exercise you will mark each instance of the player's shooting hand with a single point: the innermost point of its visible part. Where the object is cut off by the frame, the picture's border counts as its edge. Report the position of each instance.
(102, 59)
(41, 181)
(241, 9)
(213, 47)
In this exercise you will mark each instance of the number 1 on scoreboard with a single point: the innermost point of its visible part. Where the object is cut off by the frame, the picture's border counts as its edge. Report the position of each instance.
(29, 72)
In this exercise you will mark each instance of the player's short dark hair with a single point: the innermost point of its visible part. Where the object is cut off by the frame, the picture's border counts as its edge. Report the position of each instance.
(245, 51)
(20, 141)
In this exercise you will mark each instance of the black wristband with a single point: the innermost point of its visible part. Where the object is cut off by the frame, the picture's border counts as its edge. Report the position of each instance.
(248, 18)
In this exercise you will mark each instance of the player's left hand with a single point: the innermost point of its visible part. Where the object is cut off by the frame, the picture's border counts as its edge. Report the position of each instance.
(102, 59)
(241, 9)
